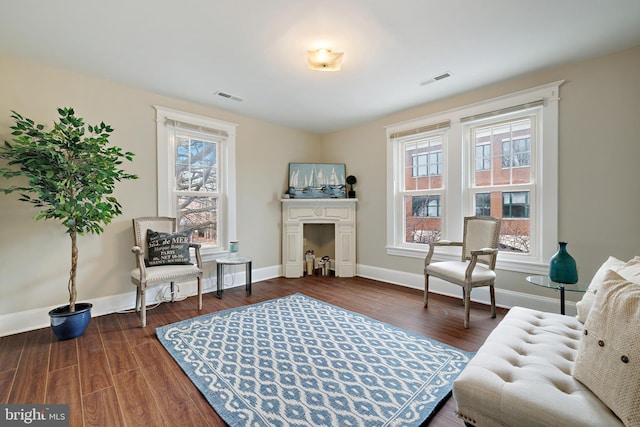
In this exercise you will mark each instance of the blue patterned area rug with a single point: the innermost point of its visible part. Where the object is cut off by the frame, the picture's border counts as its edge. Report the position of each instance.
(296, 361)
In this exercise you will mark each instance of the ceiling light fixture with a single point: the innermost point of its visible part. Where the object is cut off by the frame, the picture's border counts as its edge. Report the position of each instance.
(324, 60)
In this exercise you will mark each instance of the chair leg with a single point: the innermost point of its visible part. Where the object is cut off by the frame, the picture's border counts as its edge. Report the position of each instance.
(143, 308)
(173, 292)
(199, 293)
(137, 298)
(467, 307)
(492, 291)
(463, 296)
(426, 290)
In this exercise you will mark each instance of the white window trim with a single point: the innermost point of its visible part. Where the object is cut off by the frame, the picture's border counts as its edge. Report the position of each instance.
(228, 230)
(455, 160)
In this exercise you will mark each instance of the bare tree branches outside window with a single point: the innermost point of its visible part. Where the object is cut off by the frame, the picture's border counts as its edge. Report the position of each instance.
(196, 187)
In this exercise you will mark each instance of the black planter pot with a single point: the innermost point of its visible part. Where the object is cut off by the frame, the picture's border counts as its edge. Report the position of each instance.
(67, 325)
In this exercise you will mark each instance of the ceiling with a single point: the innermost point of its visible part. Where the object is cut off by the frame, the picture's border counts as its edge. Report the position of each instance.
(256, 50)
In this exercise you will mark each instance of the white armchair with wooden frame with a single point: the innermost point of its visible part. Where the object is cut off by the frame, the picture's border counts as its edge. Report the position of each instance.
(477, 264)
(162, 256)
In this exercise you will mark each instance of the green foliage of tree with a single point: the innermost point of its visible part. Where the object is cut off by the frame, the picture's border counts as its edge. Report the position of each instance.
(71, 172)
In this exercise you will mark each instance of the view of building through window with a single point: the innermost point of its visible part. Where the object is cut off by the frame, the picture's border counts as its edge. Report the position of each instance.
(423, 187)
(502, 177)
(494, 158)
(501, 171)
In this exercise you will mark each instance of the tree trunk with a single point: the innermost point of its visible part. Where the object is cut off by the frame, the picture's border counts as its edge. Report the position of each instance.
(72, 274)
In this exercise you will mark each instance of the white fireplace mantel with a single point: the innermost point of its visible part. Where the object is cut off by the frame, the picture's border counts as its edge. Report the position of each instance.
(297, 212)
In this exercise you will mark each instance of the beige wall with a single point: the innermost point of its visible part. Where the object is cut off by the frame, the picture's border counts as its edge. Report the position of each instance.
(35, 256)
(598, 155)
(599, 151)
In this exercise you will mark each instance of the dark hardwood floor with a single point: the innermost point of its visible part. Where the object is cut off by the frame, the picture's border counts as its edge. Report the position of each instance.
(118, 374)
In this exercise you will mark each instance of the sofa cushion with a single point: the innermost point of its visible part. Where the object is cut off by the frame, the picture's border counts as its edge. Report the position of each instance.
(521, 376)
(630, 269)
(608, 360)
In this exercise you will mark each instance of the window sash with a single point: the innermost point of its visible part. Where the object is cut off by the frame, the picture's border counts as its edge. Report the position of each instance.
(513, 140)
(199, 213)
(423, 157)
(423, 217)
(195, 168)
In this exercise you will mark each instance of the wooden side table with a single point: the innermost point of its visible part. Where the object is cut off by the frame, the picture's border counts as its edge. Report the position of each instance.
(232, 260)
(545, 282)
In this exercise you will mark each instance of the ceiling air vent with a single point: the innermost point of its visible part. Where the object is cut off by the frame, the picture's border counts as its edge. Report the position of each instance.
(228, 96)
(436, 78)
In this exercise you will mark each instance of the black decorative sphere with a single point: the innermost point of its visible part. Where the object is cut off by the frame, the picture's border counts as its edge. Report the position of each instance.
(351, 180)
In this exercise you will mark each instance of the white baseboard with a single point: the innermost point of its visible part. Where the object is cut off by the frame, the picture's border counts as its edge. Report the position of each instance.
(28, 320)
(504, 298)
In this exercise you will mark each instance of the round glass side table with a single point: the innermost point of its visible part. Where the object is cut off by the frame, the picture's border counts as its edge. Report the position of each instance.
(545, 282)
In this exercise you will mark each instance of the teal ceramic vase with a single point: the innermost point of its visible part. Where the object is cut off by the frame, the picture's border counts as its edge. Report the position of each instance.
(562, 266)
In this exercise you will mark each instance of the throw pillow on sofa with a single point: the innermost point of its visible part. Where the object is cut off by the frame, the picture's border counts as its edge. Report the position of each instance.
(608, 359)
(631, 269)
(168, 248)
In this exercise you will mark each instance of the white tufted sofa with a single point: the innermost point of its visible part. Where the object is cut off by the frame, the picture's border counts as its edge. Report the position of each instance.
(521, 376)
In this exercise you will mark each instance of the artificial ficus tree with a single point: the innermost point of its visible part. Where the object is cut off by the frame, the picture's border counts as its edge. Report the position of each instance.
(69, 174)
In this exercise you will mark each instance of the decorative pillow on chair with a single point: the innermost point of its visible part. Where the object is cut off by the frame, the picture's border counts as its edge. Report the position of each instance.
(608, 360)
(630, 269)
(168, 248)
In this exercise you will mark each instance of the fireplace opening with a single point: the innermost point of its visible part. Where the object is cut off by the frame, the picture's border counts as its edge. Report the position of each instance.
(321, 239)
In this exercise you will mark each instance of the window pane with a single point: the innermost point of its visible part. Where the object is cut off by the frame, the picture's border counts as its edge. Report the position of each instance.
(196, 167)
(483, 157)
(483, 204)
(506, 154)
(515, 233)
(515, 204)
(200, 214)
(423, 164)
(423, 206)
(423, 223)
(420, 165)
(435, 163)
(516, 153)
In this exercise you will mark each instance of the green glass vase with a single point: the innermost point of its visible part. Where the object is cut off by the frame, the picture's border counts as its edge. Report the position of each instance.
(562, 266)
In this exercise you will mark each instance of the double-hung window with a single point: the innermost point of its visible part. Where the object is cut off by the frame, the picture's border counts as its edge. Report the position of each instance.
(196, 180)
(508, 179)
(420, 154)
(494, 158)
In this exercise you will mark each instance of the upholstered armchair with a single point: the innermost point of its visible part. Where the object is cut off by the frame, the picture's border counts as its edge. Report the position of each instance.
(477, 264)
(162, 256)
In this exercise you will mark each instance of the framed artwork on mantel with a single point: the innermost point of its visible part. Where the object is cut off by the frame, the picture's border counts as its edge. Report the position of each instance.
(317, 181)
